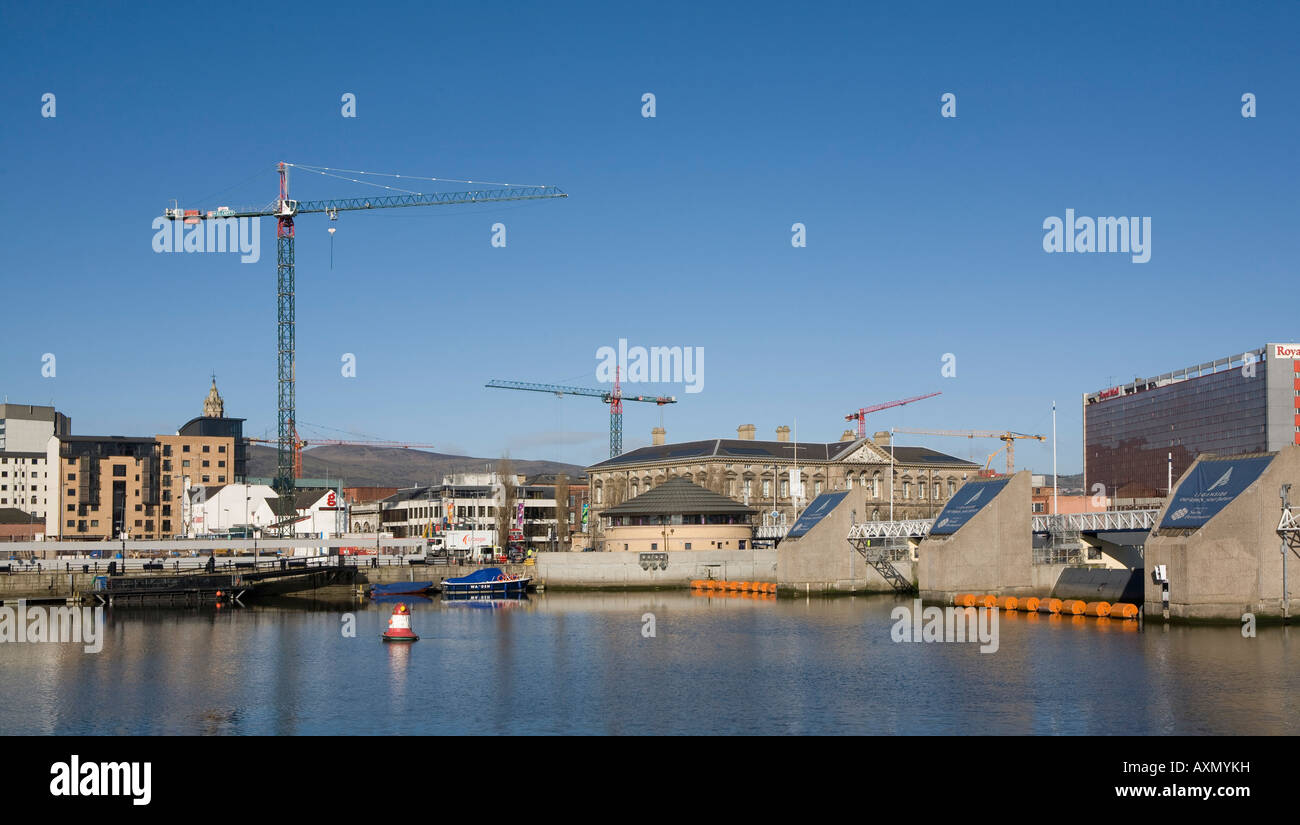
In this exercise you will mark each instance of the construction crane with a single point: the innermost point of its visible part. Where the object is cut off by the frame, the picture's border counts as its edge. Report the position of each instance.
(861, 415)
(1008, 438)
(614, 399)
(285, 210)
(299, 444)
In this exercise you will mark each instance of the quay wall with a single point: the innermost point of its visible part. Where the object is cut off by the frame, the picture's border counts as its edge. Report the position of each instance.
(624, 569)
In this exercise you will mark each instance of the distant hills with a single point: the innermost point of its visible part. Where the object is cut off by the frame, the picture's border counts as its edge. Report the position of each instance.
(391, 466)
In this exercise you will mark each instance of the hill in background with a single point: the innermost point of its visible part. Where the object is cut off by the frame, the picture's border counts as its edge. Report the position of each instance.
(391, 466)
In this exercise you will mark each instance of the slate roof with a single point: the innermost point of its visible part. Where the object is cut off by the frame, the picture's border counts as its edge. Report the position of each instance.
(677, 496)
(760, 451)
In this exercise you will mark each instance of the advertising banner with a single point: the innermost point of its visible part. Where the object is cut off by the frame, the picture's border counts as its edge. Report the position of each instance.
(965, 503)
(1212, 485)
(818, 510)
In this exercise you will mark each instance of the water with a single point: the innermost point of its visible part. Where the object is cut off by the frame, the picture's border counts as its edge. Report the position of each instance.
(578, 663)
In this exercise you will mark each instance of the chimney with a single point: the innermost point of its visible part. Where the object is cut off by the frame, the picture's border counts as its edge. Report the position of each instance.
(657, 436)
(783, 433)
(881, 438)
(848, 435)
(745, 432)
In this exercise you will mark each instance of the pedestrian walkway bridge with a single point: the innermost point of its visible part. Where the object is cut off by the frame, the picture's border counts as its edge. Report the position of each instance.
(1105, 522)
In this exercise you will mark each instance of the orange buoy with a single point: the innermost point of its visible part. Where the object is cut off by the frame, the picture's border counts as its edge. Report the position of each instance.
(1123, 610)
(1073, 607)
(399, 625)
(964, 600)
(1008, 602)
(1049, 605)
(733, 585)
(697, 584)
(1098, 609)
(1030, 604)
(987, 601)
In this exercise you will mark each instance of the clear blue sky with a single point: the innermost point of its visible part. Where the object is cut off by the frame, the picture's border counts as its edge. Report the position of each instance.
(924, 233)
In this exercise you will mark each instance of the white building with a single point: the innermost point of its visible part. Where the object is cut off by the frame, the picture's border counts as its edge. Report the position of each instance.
(234, 507)
(26, 482)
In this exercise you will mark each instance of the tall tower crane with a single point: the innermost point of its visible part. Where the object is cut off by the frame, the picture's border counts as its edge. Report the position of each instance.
(285, 210)
(614, 399)
(861, 415)
(1008, 438)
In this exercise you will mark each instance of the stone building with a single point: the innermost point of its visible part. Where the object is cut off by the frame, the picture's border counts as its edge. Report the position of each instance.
(679, 515)
(762, 474)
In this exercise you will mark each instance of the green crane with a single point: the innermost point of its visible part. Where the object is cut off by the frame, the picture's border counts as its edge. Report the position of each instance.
(285, 210)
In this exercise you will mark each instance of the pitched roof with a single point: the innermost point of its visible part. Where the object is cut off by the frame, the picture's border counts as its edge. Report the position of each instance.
(677, 496)
(759, 451)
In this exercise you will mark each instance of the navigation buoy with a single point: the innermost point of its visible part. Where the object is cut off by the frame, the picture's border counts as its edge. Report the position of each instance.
(399, 625)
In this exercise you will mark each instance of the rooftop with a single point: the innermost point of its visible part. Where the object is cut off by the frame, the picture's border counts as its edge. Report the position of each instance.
(776, 451)
(679, 496)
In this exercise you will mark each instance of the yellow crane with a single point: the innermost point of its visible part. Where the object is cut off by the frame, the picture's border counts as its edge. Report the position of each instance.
(1007, 437)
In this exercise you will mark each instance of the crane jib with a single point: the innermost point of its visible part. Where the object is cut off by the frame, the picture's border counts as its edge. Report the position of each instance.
(521, 193)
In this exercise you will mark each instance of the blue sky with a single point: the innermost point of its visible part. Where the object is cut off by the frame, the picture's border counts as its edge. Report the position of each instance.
(924, 233)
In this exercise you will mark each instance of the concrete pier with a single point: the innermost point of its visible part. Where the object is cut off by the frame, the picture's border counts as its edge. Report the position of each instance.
(1232, 564)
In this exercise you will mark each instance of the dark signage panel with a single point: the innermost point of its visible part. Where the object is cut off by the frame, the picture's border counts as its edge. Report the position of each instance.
(818, 510)
(965, 503)
(1212, 485)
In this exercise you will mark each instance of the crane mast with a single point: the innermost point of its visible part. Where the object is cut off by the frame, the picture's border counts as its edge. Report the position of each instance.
(284, 210)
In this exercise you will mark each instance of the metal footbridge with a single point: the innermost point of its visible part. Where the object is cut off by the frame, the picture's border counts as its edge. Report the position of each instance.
(882, 542)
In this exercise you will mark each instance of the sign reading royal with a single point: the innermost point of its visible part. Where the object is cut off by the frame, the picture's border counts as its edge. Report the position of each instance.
(965, 503)
(1212, 485)
(818, 510)
(1291, 351)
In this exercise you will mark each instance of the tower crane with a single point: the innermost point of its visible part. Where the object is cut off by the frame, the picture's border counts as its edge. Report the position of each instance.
(861, 415)
(1008, 438)
(614, 399)
(285, 210)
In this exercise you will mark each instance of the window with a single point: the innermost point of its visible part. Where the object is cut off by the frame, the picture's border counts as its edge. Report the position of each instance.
(654, 545)
(119, 471)
(688, 545)
(206, 448)
(907, 489)
(72, 508)
(205, 479)
(206, 462)
(185, 463)
(785, 488)
(222, 448)
(817, 488)
(221, 463)
(185, 448)
(71, 476)
(848, 481)
(767, 488)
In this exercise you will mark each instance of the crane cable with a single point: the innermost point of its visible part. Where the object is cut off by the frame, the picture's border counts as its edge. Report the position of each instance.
(331, 172)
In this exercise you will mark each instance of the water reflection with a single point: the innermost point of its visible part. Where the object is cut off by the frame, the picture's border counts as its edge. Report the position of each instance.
(582, 663)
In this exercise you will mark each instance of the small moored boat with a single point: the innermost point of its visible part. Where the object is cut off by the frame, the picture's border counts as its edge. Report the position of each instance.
(400, 589)
(487, 580)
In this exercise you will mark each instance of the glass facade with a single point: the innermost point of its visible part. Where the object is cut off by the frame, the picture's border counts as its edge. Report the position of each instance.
(1127, 439)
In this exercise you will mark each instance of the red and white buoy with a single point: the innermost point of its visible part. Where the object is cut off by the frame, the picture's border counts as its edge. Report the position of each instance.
(399, 625)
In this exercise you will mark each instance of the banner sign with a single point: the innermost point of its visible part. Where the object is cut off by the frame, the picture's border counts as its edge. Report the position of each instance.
(1212, 485)
(818, 510)
(584, 518)
(965, 503)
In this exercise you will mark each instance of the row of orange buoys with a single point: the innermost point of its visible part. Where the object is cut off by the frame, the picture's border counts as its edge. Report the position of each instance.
(717, 585)
(1034, 604)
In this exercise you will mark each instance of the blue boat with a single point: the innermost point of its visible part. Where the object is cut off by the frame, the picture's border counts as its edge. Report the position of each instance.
(400, 589)
(488, 580)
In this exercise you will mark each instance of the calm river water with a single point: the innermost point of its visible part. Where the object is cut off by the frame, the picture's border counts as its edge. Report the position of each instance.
(579, 663)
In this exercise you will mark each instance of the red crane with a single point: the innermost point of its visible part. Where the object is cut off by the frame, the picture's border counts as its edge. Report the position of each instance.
(861, 415)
